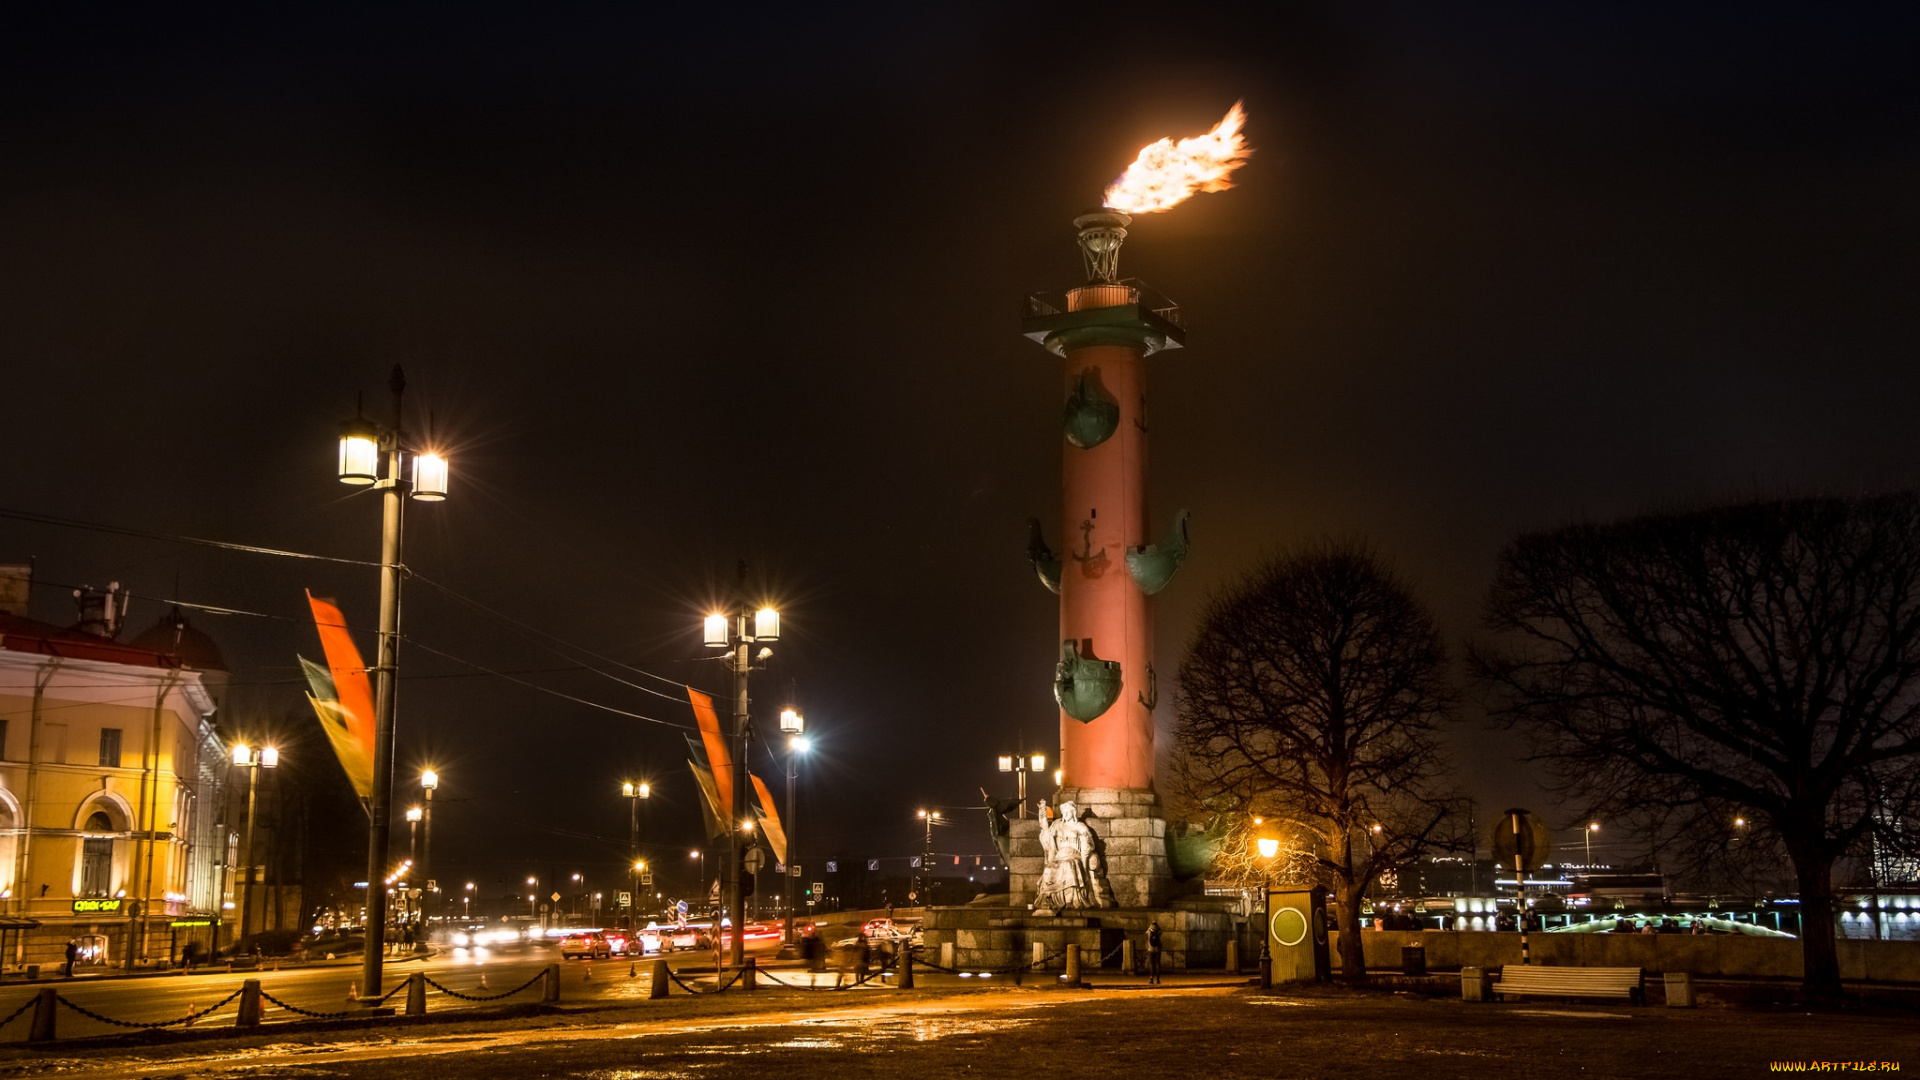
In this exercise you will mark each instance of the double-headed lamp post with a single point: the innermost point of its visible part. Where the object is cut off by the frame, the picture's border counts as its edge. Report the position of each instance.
(429, 898)
(423, 474)
(794, 726)
(925, 885)
(1269, 847)
(634, 792)
(738, 634)
(253, 760)
(1021, 764)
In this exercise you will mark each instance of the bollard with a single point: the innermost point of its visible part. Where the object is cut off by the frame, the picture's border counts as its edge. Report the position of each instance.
(551, 992)
(1039, 956)
(1474, 984)
(906, 968)
(43, 1010)
(587, 967)
(747, 974)
(1233, 958)
(191, 1009)
(417, 994)
(33, 972)
(483, 981)
(1679, 990)
(353, 990)
(659, 988)
(946, 954)
(1072, 977)
(1128, 966)
(633, 968)
(249, 1015)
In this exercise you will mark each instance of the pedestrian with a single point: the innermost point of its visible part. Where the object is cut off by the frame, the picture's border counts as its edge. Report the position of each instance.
(1153, 953)
(73, 953)
(190, 955)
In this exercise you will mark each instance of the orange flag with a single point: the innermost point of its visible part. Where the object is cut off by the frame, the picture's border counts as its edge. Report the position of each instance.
(718, 759)
(770, 820)
(346, 713)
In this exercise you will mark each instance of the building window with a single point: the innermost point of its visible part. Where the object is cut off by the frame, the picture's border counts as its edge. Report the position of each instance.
(96, 857)
(110, 746)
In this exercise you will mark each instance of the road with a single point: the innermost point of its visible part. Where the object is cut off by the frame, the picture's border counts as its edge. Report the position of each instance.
(327, 988)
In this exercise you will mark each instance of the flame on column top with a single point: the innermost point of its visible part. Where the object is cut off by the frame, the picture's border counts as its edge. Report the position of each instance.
(1168, 173)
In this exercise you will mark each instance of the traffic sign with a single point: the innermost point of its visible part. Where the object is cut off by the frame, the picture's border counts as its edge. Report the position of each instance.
(833, 866)
(626, 899)
(873, 864)
(756, 858)
(1517, 833)
(795, 870)
(555, 898)
(819, 888)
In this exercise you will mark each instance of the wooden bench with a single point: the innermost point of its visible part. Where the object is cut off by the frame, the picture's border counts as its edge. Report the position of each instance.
(1627, 984)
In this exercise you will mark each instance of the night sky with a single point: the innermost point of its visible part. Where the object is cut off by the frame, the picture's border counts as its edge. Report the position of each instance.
(681, 287)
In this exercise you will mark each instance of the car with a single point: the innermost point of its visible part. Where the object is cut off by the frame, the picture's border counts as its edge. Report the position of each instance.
(586, 945)
(618, 941)
(656, 938)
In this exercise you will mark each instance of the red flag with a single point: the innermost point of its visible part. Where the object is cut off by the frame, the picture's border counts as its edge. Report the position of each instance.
(718, 759)
(348, 716)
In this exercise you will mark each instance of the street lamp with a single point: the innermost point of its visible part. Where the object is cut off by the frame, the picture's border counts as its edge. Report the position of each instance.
(579, 893)
(794, 726)
(424, 476)
(1269, 848)
(1021, 764)
(924, 884)
(701, 854)
(1592, 827)
(466, 903)
(634, 792)
(429, 779)
(253, 761)
(738, 634)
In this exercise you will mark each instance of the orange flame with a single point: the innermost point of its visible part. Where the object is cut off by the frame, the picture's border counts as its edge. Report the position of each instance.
(1168, 173)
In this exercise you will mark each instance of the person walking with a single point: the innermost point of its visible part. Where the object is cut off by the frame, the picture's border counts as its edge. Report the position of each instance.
(1153, 953)
(73, 953)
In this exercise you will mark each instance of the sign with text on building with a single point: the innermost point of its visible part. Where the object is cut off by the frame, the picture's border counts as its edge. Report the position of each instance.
(97, 907)
(179, 924)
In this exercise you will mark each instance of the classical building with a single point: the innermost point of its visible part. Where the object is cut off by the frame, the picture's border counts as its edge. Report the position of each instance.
(109, 785)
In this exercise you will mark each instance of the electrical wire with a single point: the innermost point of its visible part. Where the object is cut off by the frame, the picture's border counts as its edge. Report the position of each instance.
(547, 690)
(121, 530)
(536, 632)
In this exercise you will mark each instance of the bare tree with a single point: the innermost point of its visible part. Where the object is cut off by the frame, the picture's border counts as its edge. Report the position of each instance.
(1757, 664)
(1310, 696)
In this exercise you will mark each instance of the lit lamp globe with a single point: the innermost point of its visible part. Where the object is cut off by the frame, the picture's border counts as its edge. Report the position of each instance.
(429, 779)
(359, 453)
(269, 757)
(1269, 847)
(429, 477)
(716, 631)
(415, 814)
(791, 722)
(1006, 762)
(1039, 763)
(242, 755)
(766, 625)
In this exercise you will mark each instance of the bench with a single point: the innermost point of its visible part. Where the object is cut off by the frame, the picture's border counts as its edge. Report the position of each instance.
(1627, 984)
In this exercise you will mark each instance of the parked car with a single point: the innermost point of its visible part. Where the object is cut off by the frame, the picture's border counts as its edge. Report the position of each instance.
(586, 945)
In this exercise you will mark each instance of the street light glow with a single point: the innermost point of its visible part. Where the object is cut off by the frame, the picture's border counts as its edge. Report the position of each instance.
(241, 754)
(766, 625)
(414, 813)
(716, 631)
(429, 477)
(1269, 847)
(359, 453)
(800, 744)
(430, 780)
(791, 721)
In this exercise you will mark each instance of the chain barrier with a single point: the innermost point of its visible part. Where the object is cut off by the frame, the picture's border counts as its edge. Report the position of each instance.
(389, 995)
(308, 1012)
(692, 989)
(1115, 952)
(1025, 966)
(187, 1019)
(31, 1002)
(886, 964)
(486, 997)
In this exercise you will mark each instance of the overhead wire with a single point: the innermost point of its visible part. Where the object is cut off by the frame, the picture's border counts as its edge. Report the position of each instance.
(174, 538)
(544, 689)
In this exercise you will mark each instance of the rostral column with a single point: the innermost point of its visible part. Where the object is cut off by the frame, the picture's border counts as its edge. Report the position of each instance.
(1105, 680)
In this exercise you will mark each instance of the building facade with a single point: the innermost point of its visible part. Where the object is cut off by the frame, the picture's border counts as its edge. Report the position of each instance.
(109, 789)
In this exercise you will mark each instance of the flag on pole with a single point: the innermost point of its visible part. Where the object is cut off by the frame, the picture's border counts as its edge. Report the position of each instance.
(342, 695)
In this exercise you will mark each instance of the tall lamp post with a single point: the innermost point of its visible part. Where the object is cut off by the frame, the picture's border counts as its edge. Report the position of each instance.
(924, 884)
(1021, 764)
(634, 793)
(1592, 827)
(794, 726)
(253, 761)
(423, 475)
(414, 816)
(430, 897)
(1269, 847)
(738, 634)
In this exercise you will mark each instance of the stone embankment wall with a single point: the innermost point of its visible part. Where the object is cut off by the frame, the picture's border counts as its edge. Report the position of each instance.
(1712, 955)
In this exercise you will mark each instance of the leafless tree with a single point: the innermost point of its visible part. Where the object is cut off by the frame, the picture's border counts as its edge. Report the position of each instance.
(1310, 696)
(1757, 664)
